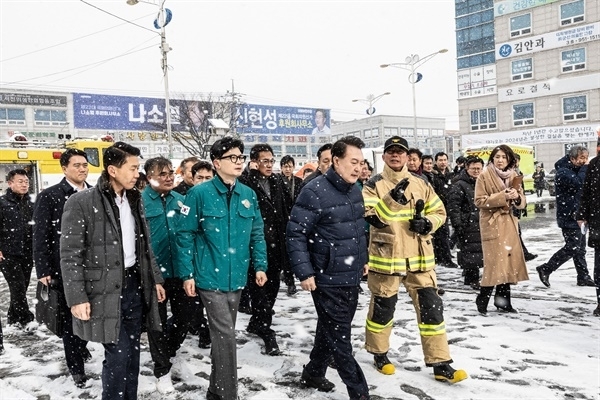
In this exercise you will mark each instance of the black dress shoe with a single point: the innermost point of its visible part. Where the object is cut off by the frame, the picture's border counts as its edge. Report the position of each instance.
(586, 282)
(530, 256)
(543, 276)
(271, 347)
(80, 380)
(212, 396)
(322, 384)
(292, 290)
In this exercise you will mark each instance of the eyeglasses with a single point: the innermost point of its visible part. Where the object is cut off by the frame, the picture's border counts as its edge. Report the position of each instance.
(234, 158)
(476, 169)
(166, 174)
(267, 162)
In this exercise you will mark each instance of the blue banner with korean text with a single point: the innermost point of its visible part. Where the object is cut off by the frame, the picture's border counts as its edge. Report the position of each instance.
(96, 111)
(275, 120)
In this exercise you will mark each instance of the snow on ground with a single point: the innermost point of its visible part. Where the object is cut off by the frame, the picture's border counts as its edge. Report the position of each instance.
(550, 350)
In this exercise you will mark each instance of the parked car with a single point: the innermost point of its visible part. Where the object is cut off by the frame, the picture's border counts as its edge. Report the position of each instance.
(549, 178)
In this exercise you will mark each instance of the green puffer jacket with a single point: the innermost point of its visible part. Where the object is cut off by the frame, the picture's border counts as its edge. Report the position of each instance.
(163, 220)
(218, 237)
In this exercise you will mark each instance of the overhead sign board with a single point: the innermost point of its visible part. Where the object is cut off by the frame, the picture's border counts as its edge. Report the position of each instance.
(106, 112)
(512, 6)
(265, 119)
(548, 134)
(551, 40)
(31, 99)
(548, 87)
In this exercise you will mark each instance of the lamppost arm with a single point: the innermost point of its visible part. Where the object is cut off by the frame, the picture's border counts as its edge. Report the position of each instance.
(163, 20)
(371, 99)
(413, 61)
(411, 64)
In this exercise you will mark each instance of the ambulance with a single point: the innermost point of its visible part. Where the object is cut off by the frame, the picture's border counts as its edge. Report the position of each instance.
(526, 165)
(41, 160)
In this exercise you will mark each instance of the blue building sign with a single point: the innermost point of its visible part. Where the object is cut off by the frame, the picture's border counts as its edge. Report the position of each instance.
(96, 111)
(255, 118)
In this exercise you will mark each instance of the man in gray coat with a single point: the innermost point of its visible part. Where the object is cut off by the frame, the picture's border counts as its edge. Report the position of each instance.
(108, 268)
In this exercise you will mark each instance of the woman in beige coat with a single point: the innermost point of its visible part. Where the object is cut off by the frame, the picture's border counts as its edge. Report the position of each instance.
(503, 259)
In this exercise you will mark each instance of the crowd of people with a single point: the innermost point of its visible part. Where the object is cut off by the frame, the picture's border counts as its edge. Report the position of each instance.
(137, 252)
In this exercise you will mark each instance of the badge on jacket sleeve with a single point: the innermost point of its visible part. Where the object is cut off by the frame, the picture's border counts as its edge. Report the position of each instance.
(185, 210)
(246, 203)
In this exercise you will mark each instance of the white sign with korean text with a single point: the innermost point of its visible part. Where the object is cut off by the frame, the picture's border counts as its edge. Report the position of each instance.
(475, 82)
(552, 40)
(512, 6)
(548, 87)
(547, 134)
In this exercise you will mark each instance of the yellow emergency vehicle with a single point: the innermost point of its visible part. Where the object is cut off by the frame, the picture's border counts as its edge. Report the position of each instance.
(42, 161)
(526, 165)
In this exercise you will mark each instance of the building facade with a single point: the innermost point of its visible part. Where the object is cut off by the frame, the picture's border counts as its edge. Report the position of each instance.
(529, 73)
(374, 130)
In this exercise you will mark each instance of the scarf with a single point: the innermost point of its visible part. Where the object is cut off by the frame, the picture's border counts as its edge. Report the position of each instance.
(503, 175)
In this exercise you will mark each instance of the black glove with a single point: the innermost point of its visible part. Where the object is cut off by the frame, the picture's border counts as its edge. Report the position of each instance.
(397, 193)
(421, 226)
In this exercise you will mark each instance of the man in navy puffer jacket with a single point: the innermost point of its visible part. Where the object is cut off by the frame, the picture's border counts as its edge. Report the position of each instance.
(327, 248)
(570, 175)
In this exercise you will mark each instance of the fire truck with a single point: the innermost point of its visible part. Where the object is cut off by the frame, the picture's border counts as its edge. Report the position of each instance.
(41, 160)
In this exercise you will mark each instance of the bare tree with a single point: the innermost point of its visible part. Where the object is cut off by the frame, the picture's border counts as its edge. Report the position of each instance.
(193, 121)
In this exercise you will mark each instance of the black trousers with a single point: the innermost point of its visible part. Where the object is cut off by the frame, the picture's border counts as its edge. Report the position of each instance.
(75, 347)
(263, 299)
(336, 307)
(574, 248)
(121, 365)
(17, 272)
(596, 273)
(164, 345)
(441, 244)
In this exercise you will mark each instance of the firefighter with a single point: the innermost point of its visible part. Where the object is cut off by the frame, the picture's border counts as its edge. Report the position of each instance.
(401, 251)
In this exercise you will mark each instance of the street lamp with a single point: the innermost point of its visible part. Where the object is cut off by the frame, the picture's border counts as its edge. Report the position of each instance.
(411, 64)
(162, 19)
(370, 100)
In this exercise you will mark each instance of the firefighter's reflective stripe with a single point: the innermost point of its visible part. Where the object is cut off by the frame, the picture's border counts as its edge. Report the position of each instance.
(432, 330)
(417, 263)
(430, 208)
(431, 312)
(377, 328)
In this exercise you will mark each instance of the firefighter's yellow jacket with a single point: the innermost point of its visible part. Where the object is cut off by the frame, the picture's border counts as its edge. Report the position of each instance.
(393, 248)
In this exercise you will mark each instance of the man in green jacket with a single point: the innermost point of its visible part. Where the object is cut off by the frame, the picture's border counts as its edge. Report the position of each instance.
(162, 205)
(220, 233)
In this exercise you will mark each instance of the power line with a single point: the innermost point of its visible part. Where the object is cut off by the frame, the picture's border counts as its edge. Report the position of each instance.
(68, 41)
(82, 66)
(117, 17)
